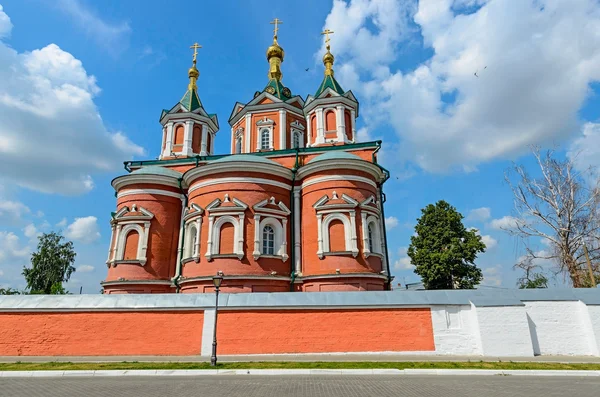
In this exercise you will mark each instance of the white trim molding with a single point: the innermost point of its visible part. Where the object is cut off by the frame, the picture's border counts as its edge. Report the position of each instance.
(328, 212)
(122, 224)
(275, 215)
(218, 215)
(264, 124)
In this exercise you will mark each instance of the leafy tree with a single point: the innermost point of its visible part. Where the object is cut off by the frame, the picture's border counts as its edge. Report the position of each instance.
(443, 250)
(52, 265)
(9, 291)
(531, 277)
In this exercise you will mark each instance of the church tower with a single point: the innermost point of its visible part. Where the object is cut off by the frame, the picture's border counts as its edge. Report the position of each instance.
(274, 118)
(331, 112)
(187, 129)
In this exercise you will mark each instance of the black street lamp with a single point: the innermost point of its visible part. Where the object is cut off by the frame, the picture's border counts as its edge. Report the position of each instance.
(217, 280)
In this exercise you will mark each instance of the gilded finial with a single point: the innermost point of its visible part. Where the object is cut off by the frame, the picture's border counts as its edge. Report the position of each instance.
(193, 71)
(328, 57)
(275, 53)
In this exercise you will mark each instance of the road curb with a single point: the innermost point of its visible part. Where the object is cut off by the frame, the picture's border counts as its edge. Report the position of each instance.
(275, 372)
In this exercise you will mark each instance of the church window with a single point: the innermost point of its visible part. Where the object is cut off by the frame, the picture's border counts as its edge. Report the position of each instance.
(227, 239)
(265, 139)
(296, 142)
(191, 246)
(370, 236)
(130, 251)
(337, 240)
(268, 241)
(238, 145)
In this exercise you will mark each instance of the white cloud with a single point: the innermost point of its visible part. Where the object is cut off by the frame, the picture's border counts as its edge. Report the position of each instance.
(84, 230)
(85, 269)
(479, 214)
(403, 262)
(13, 256)
(391, 222)
(62, 224)
(31, 232)
(489, 241)
(12, 210)
(492, 276)
(534, 59)
(505, 223)
(56, 119)
(111, 36)
(5, 24)
(585, 150)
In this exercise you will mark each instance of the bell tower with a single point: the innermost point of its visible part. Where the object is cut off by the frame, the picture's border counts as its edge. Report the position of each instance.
(188, 130)
(331, 113)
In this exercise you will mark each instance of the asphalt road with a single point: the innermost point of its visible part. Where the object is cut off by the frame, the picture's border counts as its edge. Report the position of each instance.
(288, 386)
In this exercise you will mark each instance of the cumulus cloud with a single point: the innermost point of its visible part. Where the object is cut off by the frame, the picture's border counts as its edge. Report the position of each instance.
(391, 222)
(30, 231)
(403, 262)
(54, 119)
(492, 276)
(479, 214)
(13, 256)
(505, 223)
(5, 24)
(489, 241)
(502, 74)
(85, 269)
(84, 230)
(11, 211)
(62, 224)
(585, 150)
(113, 37)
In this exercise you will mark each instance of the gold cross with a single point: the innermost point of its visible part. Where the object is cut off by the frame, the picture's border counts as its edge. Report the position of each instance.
(276, 22)
(195, 47)
(327, 32)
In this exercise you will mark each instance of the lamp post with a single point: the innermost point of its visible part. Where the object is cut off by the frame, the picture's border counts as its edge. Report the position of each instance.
(217, 280)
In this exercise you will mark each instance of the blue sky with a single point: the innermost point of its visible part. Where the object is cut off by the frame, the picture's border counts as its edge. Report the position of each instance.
(82, 87)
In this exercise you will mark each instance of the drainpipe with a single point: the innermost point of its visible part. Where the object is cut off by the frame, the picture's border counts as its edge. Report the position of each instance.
(293, 228)
(386, 173)
(179, 264)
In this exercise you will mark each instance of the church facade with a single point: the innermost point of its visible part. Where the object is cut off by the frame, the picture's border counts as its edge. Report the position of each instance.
(296, 206)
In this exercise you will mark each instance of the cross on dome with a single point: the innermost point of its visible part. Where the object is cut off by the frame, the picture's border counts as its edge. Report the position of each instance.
(276, 22)
(195, 47)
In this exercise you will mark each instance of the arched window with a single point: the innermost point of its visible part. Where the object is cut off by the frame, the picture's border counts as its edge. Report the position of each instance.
(337, 238)
(296, 141)
(265, 139)
(132, 240)
(238, 145)
(370, 237)
(227, 239)
(191, 246)
(330, 124)
(268, 242)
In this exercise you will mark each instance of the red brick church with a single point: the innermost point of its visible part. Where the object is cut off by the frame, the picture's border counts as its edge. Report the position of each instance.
(296, 206)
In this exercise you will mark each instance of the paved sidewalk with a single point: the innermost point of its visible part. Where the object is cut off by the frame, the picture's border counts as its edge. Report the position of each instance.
(302, 386)
(301, 358)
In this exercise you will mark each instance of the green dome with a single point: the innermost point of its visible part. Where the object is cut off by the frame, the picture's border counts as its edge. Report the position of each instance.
(246, 158)
(336, 155)
(157, 170)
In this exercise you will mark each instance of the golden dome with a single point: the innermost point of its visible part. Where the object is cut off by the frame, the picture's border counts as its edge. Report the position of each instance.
(193, 72)
(275, 51)
(328, 58)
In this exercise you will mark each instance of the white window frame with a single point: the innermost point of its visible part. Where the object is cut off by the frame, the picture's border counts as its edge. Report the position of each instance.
(122, 225)
(217, 217)
(265, 139)
(276, 218)
(264, 124)
(265, 243)
(374, 222)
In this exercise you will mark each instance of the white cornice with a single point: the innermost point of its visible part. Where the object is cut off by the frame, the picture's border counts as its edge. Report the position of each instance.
(237, 277)
(338, 165)
(330, 178)
(129, 179)
(343, 275)
(238, 166)
(193, 116)
(265, 107)
(233, 179)
(129, 192)
(310, 105)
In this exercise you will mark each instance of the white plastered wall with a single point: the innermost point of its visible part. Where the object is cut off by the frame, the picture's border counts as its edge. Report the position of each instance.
(561, 328)
(594, 318)
(455, 330)
(504, 331)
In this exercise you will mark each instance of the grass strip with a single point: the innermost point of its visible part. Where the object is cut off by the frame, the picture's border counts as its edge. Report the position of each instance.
(133, 365)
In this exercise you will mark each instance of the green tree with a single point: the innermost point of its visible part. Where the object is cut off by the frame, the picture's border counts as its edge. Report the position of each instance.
(9, 291)
(443, 250)
(52, 265)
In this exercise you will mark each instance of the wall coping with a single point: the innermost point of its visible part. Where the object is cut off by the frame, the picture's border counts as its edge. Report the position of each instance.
(324, 300)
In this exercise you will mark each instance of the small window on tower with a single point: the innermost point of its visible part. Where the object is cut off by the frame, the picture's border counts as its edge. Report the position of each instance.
(265, 139)
(268, 245)
(296, 143)
(371, 236)
(238, 145)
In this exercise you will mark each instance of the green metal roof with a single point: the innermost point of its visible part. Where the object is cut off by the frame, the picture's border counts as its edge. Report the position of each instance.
(277, 89)
(244, 157)
(335, 156)
(157, 170)
(329, 82)
(191, 101)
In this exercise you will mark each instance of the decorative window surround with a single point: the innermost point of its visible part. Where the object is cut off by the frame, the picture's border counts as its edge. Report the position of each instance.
(276, 215)
(218, 215)
(122, 225)
(263, 124)
(193, 227)
(297, 130)
(346, 213)
(238, 141)
(370, 215)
